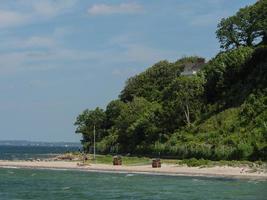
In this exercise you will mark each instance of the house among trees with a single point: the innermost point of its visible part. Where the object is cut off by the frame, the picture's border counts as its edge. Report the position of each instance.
(218, 114)
(191, 68)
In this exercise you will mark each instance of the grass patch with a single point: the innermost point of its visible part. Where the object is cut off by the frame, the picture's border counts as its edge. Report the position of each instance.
(193, 162)
(126, 160)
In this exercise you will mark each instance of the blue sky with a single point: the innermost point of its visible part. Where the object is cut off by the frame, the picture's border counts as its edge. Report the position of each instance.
(58, 57)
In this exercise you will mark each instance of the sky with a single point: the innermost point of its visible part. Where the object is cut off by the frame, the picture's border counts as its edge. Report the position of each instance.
(59, 57)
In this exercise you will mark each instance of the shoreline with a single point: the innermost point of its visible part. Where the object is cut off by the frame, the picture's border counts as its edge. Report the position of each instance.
(166, 169)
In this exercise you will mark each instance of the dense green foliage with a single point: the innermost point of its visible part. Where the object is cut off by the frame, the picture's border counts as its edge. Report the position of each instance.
(222, 71)
(247, 28)
(153, 81)
(220, 113)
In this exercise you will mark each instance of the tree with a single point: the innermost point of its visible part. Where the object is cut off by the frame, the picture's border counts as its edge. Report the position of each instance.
(260, 13)
(151, 83)
(227, 33)
(136, 124)
(113, 111)
(223, 71)
(246, 28)
(86, 122)
(220, 113)
(184, 98)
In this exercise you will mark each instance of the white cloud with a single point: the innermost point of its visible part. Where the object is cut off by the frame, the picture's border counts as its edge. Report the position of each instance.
(57, 57)
(32, 11)
(10, 18)
(50, 8)
(133, 50)
(37, 41)
(32, 42)
(123, 8)
(46, 52)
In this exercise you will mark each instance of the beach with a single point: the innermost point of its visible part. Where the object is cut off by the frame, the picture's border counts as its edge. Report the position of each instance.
(166, 169)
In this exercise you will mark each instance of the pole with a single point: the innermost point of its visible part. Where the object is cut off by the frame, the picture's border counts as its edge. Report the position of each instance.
(159, 143)
(94, 142)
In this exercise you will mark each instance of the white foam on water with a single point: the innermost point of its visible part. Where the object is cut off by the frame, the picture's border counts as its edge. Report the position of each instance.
(129, 175)
(253, 181)
(66, 188)
(9, 167)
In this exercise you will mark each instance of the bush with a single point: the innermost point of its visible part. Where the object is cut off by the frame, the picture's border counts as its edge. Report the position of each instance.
(193, 162)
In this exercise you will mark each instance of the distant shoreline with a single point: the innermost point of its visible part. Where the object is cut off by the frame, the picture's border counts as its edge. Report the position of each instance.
(166, 169)
(27, 143)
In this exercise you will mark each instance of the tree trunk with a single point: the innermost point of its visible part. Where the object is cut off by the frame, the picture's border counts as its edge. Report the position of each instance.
(187, 115)
(264, 39)
(249, 41)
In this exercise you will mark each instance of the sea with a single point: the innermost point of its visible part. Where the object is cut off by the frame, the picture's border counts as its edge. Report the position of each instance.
(33, 152)
(43, 184)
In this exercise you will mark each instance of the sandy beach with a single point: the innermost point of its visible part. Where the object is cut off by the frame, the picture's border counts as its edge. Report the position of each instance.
(166, 169)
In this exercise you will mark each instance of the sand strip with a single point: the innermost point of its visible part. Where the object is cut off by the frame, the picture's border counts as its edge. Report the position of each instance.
(173, 170)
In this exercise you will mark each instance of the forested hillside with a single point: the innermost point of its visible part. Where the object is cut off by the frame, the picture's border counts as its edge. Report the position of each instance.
(218, 113)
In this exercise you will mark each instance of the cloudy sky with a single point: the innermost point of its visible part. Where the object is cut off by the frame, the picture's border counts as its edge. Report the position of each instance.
(58, 57)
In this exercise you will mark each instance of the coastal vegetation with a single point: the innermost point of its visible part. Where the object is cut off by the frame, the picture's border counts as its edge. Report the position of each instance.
(219, 113)
(107, 159)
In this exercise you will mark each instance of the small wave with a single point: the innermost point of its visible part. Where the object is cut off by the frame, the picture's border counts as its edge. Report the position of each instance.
(9, 167)
(129, 175)
(66, 188)
(58, 169)
(253, 181)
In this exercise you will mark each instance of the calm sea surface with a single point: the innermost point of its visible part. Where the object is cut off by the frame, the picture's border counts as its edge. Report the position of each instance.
(32, 152)
(20, 184)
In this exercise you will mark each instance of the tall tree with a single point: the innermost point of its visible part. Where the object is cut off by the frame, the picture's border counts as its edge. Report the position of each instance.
(86, 122)
(246, 28)
(223, 71)
(184, 98)
(150, 83)
(113, 111)
(136, 124)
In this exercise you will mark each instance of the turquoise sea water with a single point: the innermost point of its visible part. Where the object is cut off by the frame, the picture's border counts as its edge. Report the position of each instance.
(20, 184)
(32, 152)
